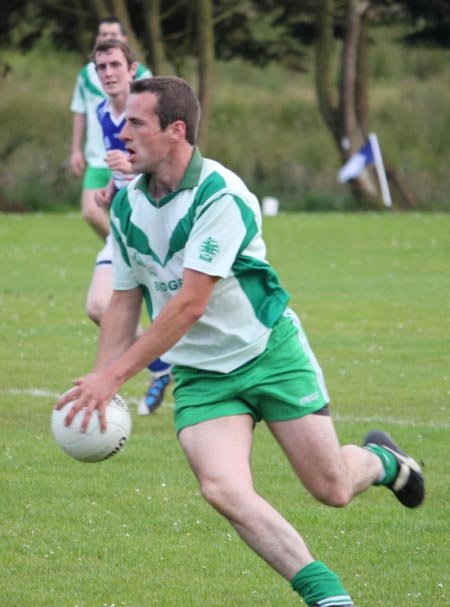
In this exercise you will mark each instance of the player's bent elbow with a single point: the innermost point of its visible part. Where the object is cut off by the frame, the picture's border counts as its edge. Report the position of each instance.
(193, 311)
(197, 313)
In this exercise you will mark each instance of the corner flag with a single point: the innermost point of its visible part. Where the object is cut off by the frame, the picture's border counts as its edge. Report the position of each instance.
(369, 154)
(356, 163)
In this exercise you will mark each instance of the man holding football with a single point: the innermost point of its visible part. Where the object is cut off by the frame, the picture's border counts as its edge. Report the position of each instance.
(188, 236)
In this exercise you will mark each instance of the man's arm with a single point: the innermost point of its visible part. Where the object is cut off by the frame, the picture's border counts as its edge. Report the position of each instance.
(112, 370)
(117, 334)
(118, 326)
(118, 161)
(77, 162)
(175, 319)
(104, 196)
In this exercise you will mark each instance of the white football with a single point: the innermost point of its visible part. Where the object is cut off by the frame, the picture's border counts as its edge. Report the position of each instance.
(93, 445)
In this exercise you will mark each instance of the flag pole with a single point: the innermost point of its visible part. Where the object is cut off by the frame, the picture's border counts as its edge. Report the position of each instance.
(381, 173)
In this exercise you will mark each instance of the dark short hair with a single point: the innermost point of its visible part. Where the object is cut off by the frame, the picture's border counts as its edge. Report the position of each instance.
(176, 101)
(106, 45)
(112, 19)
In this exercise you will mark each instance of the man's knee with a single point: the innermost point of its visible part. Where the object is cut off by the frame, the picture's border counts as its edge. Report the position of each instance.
(95, 307)
(224, 496)
(333, 491)
(94, 311)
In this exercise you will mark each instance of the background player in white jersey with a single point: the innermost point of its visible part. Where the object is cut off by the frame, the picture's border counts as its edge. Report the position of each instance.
(116, 67)
(90, 162)
(188, 236)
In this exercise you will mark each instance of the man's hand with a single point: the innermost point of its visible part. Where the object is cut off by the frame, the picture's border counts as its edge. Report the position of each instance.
(91, 392)
(104, 196)
(118, 161)
(77, 163)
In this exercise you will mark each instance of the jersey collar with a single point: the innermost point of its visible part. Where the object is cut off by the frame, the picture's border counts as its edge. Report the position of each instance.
(190, 178)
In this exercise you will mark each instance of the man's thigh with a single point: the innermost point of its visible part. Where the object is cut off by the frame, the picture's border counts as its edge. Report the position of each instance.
(312, 447)
(219, 449)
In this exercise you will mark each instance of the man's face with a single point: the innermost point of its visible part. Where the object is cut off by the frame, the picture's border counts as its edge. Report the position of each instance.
(110, 30)
(148, 146)
(114, 72)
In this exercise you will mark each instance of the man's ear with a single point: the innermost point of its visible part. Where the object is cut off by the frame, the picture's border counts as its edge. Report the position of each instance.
(178, 129)
(133, 68)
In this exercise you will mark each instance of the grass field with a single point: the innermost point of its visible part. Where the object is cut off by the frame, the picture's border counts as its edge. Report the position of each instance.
(374, 295)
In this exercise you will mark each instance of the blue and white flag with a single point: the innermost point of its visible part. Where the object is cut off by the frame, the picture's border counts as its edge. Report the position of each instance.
(370, 153)
(356, 163)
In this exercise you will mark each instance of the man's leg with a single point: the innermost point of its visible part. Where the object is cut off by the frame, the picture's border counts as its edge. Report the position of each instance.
(331, 473)
(100, 291)
(96, 217)
(101, 287)
(161, 377)
(335, 474)
(219, 454)
(218, 451)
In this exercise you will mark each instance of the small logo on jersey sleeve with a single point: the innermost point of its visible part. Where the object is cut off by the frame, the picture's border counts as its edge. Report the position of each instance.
(209, 249)
(138, 259)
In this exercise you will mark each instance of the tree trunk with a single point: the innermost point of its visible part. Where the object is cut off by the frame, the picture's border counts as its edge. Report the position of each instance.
(352, 84)
(400, 190)
(80, 29)
(347, 88)
(101, 9)
(362, 76)
(345, 110)
(324, 49)
(206, 57)
(120, 10)
(155, 39)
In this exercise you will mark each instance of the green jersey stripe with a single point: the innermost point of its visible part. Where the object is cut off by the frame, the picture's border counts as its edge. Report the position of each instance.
(89, 85)
(210, 224)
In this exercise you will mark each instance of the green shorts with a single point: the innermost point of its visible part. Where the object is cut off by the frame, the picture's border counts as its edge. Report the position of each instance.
(284, 382)
(95, 179)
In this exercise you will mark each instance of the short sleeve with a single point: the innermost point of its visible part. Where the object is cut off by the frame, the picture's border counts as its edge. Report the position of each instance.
(123, 275)
(78, 103)
(216, 238)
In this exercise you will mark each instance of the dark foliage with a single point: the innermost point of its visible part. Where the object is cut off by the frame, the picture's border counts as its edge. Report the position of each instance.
(71, 26)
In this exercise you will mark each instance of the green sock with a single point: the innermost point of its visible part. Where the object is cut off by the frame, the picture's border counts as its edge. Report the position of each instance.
(317, 585)
(389, 462)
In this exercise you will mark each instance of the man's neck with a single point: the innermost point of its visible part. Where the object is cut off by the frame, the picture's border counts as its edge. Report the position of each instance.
(169, 176)
(118, 103)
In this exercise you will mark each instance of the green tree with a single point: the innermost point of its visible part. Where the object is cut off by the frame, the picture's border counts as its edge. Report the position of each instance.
(206, 61)
(339, 32)
(155, 36)
(260, 31)
(429, 21)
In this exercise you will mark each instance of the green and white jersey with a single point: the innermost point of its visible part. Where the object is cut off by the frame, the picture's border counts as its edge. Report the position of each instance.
(211, 224)
(87, 94)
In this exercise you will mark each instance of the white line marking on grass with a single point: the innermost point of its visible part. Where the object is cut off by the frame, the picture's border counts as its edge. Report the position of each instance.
(31, 392)
(340, 418)
(390, 420)
(56, 395)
